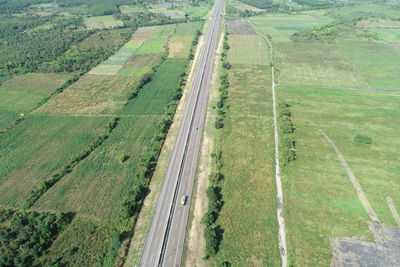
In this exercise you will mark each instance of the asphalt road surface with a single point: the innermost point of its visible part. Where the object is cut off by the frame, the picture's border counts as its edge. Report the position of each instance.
(165, 239)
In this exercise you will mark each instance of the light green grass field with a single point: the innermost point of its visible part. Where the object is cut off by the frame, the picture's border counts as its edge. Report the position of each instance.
(37, 148)
(378, 63)
(248, 216)
(129, 9)
(256, 50)
(22, 93)
(281, 26)
(101, 22)
(316, 64)
(320, 200)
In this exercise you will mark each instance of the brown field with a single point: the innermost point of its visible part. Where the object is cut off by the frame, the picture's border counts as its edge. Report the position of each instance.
(179, 46)
(92, 94)
(36, 82)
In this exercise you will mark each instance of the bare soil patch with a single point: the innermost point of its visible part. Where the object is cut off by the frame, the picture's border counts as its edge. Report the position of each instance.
(396, 47)
(240, 26)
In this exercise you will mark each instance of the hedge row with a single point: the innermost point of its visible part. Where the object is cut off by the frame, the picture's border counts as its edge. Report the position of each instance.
(223, 89)
(212, 231)
(286, 132)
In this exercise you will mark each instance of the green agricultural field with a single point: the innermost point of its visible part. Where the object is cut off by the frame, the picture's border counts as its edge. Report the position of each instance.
(129, 9)
(254, 45)
(39, 147)
(101, 22)
(104, 38)
(156, 94)
(281, 26)
(22, 93)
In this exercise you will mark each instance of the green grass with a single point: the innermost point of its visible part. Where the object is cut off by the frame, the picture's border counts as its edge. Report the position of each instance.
(248, 216)
(156, 94)
(101, 22)
(7, 118)
(378, 63)
(254, 45)
(37, 148)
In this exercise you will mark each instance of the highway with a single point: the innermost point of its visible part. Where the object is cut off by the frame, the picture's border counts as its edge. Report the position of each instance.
(165, 239)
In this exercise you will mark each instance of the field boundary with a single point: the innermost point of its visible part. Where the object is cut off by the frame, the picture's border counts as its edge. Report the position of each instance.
(393, 210)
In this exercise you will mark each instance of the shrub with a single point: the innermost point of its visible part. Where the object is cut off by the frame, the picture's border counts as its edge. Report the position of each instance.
(362, 139)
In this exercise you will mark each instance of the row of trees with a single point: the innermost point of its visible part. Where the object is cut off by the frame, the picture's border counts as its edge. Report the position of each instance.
(213, 232)
(341, 25)
(27, 235)
(286, 132)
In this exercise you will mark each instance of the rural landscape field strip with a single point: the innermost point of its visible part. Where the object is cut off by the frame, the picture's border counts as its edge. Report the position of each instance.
(248, 215)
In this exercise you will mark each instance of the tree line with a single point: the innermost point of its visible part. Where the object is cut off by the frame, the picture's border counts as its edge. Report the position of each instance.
(213, 232)
(27, 235)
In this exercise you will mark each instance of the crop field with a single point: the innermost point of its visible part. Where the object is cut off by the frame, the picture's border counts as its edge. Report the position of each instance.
(39, 147)
(147, 40)
(254, 45)
(104, 171)
(103, 38)
(281, 26)
(91, 94)
(156, 94)
(102, 22)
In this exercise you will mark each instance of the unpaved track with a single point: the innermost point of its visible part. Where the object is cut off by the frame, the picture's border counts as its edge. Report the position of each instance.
(393, 210)
(279, 204)
(361, 195)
